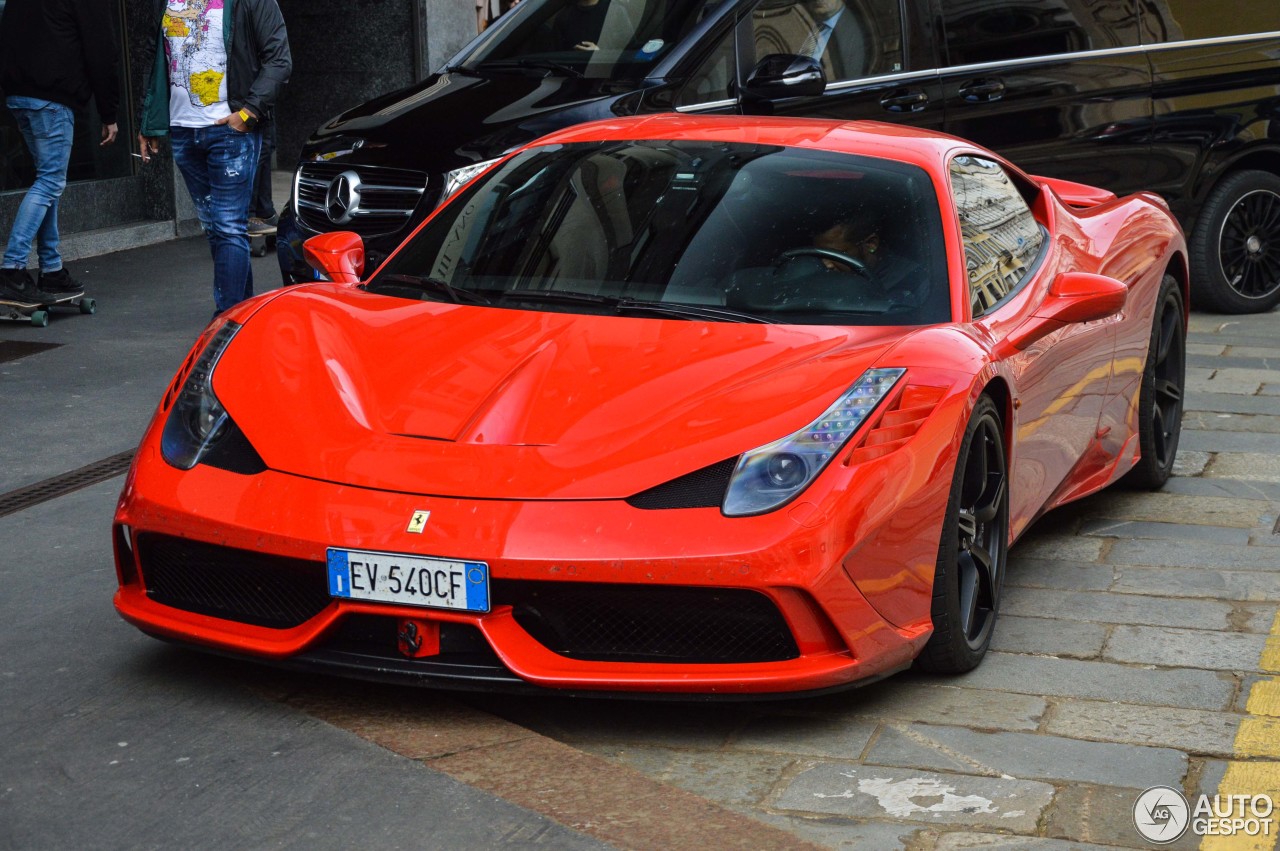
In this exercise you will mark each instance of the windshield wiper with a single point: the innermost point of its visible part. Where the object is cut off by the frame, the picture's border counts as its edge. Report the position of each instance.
(690, 311)
(631, 305)
(562, 296)
(428, 284)
(529, 62)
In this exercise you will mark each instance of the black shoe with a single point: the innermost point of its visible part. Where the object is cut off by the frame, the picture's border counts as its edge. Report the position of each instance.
(262, 227)
(58, 285)
(16, 286)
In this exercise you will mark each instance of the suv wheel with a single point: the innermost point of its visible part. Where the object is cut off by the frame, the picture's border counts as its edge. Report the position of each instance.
(1235, 249)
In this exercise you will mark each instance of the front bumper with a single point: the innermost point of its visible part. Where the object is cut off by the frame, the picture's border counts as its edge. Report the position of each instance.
(797, 566)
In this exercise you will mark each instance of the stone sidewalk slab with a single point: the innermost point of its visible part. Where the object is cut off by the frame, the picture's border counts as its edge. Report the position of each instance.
(937, 699)
(1164, 531)
(1192, 731)
(1230, 403)
(831, 737)
(963, 841)
(1162, 507)
(1052, 677)
(1192, 554)
(1198, 486)
(1185, 648)
(1190, 582)
(1246, 466)
(1045, 637)
(1228, 441)
(1102, 815)
(1117, 608)
(916, 796)
(1025, 756)
(1060, 574)
(1262, 424)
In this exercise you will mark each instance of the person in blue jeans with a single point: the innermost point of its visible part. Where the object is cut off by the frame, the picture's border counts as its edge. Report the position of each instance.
(55, 56)
(218, 68)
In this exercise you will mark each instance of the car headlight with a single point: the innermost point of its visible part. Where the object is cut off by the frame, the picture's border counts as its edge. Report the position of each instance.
(199, 429)
(460, 177)
(770, 476)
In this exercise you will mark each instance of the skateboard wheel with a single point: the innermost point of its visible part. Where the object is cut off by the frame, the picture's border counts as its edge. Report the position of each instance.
(88, 305)
(40, 318)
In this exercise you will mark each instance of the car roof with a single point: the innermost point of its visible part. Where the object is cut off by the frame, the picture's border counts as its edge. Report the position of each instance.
(926, 148)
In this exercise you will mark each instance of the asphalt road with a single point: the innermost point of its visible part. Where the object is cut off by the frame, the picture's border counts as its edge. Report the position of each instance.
(1139, 645)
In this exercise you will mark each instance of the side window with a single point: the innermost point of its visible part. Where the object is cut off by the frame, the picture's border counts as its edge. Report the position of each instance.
(1001, 237)
(713, 80)
(1181, 20)
(980, 31)
(852, 38)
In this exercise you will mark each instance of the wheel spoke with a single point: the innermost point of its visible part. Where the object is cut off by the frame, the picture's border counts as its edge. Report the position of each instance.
(1168, 391)
(967, 525)
(968, 594)
(990, 507)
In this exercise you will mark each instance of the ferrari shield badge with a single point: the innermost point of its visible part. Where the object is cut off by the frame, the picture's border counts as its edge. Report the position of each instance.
(418, 522)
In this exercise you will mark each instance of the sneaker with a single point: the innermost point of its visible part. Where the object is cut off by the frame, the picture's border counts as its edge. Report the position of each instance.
(58, 285)
(261, 227)
(16, 286)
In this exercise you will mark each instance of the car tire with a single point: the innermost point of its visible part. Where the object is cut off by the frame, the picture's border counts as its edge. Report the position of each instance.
(1235, 247)
(974, 550)
(1160, 397)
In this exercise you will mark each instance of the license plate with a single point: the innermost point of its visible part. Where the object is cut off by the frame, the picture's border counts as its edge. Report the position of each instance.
(433, 583)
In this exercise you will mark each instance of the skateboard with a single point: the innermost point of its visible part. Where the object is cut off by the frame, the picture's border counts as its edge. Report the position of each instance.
(38, 314)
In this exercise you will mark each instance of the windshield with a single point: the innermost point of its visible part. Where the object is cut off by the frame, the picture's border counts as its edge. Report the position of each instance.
(612, 39)
(700, 230)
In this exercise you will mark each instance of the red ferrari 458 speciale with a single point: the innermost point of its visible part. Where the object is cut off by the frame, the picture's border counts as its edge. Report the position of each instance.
(708, 405)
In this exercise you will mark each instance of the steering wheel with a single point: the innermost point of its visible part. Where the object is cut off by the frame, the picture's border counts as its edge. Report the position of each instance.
(827, 254)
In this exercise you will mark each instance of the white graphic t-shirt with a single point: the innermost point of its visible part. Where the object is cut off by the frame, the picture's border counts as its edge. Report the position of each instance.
(197, 62)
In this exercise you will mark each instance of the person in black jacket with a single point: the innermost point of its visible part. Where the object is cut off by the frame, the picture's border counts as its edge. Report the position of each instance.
(218, 68)
(55, 55)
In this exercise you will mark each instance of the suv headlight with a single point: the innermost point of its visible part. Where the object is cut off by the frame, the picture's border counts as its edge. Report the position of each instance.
(199, 428)
(460, 177)
(772, 475)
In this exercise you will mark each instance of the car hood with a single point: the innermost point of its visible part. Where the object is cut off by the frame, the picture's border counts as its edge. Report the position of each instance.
(334, 383)
(455, 119)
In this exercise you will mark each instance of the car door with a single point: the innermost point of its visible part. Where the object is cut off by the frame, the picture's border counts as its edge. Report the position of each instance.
(1060, 381)
(1060, 88)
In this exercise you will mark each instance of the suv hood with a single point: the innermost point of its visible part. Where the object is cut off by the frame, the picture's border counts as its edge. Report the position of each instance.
(333, 383)
(456, 119)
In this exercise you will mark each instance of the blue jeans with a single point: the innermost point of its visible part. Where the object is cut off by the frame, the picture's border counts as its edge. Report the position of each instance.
(46, 127)
(218, 166)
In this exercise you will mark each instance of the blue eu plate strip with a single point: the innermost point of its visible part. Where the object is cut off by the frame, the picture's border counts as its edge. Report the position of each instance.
(339, 574)
(477, 587)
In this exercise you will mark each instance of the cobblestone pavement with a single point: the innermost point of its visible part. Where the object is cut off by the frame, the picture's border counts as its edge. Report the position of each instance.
(1138, 645)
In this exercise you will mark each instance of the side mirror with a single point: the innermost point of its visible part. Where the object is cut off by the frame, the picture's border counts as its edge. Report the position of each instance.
(1073, 297)
(785, 75)
(338, 256)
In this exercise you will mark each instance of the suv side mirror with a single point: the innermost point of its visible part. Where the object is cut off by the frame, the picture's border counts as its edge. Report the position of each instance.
(338, 256)
(1073, 297)
(785, 75)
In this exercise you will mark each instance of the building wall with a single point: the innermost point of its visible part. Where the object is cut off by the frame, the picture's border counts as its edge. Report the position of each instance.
(344, 52)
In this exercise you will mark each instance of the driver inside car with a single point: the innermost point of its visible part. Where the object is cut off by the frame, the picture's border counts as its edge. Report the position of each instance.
(857, 238)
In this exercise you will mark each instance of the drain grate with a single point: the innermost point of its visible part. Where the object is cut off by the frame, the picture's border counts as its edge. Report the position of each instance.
(90, 474)
(14, 349)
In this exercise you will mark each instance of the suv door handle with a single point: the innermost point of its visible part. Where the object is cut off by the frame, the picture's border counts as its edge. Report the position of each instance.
(905, 100)
(982, 91)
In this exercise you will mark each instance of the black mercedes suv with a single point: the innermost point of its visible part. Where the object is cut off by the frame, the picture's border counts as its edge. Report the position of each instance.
(1178, 96)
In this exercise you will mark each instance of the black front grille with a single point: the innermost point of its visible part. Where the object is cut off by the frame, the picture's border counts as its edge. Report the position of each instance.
(639, 623)
(388, 197)
(238, 585)
(700, 489)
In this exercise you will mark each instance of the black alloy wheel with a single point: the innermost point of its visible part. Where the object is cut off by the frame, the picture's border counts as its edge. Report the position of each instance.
(1160, 397)
(974, 551)
(1235, 250)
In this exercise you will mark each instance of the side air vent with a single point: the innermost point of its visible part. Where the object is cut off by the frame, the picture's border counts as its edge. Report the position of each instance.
(899, 423)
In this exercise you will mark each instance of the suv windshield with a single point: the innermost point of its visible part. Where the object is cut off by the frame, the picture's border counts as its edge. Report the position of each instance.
(613, 39)
(688, 229)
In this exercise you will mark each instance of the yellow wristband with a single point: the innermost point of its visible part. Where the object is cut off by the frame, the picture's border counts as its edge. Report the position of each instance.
(246, 117)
